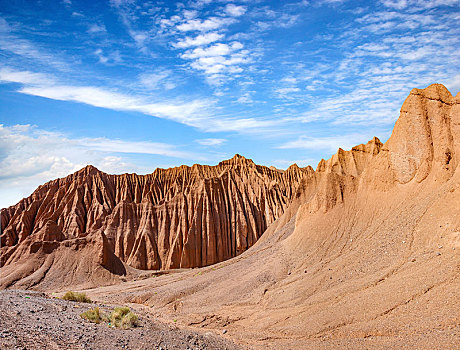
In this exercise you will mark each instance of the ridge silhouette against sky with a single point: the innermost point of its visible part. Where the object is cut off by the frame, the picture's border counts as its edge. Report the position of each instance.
(129, 86)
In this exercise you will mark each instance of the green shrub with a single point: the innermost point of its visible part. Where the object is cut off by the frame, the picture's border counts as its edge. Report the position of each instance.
(73, 296)
(123, 317)
(93, 315)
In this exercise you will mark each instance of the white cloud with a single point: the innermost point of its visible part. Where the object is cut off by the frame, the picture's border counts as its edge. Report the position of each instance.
(218, 59)
(197, 113)
(210, 142)
(213, 51)
(220, 62)
(24, 77)
(235, 10)
(27, 49)
(287, 20)
(290, 80)
(138, 147)
(418, 4)
(30, 156)
(211, 23)
(139, 37)
(107, 59)
(284, 92)
(114, 165)
(246, 97)
(200, 40)
(158, 79)
(97, 28)
(185, 112)
(246, 125)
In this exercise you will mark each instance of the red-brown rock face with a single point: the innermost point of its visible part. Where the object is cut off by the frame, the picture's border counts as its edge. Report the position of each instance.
(179, 217)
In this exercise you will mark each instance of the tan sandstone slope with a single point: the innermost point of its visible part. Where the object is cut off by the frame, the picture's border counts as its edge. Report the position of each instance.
(365, 257)
(90, 226)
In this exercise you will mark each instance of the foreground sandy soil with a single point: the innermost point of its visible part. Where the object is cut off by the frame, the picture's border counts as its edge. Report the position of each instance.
(31, 320)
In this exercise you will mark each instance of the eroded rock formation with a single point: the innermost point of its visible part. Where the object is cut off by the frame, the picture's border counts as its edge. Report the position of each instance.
(180, 217)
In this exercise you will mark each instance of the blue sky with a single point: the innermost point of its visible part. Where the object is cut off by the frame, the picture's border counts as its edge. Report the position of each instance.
(129, 86)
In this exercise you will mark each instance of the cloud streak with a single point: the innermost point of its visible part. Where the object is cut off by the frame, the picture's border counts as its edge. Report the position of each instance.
(195, 113)
(200, 40)
(210, 142)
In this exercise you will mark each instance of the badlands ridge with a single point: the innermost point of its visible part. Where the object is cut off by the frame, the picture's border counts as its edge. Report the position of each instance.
(361, 253)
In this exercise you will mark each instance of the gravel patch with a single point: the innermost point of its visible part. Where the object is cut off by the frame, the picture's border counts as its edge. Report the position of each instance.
(32, 320)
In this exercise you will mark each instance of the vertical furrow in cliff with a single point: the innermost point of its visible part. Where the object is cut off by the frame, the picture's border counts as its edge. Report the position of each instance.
(192, 247)
(203, 228)
(219, 219)
(233, 217)
(225, 217)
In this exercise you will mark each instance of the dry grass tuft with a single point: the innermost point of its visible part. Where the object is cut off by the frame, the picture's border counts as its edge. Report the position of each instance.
(123, 317)
(74, 296)
(93, 315)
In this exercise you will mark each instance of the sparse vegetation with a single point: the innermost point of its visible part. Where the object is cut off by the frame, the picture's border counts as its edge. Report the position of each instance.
(123, 317)
(74, 296)
(94, 315)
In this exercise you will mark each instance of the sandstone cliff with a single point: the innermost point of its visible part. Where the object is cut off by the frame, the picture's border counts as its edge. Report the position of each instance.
(174, 218)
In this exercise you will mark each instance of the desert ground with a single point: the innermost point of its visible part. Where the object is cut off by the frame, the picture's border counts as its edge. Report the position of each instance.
(33, 320)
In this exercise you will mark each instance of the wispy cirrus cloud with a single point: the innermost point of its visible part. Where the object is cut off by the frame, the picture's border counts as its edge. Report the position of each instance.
(158, 79)
(197, 113)
(417, 5)
(246, 98)
(17, 46)
(110, 58)
(37, 84)
(285, 92)
(235, 10)
(210, 142)
(97, 28)
(126, 11)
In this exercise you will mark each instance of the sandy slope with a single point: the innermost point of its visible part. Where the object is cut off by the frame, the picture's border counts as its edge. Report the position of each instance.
(364, 259)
